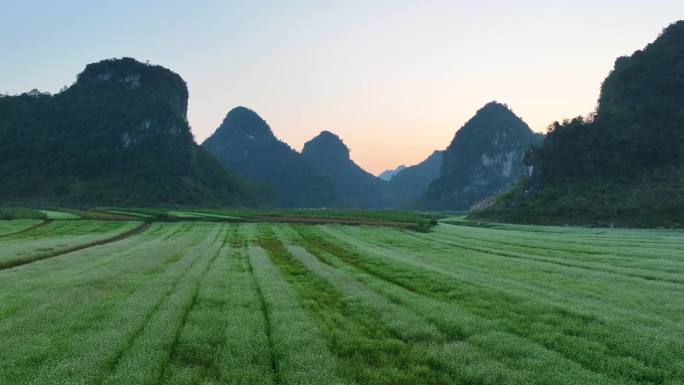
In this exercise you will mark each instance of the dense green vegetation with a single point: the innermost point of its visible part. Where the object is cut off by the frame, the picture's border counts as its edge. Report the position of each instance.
(356, 187)
(192, 302)
(484, 158)
(118, 136)
(624, 165)
(21, 213)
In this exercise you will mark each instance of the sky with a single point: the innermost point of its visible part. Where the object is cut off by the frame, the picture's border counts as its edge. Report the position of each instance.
(394, 79)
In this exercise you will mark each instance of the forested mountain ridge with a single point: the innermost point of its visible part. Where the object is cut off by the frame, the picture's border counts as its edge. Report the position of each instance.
(118, 136)
(357, 188)
(624, 165)
(245, 143)
(410, 182)
(484, 158)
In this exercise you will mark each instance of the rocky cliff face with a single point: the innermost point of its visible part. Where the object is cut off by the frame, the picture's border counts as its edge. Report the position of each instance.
(118, 136)
(155, 97)
(484, 158)
(245, 142)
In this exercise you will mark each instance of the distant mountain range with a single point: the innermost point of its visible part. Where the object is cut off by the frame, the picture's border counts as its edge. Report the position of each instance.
(244, 142)
(356, 187)
(322, 175)
(623, 165)
(118, 136)
(387, 175)
(484, 159)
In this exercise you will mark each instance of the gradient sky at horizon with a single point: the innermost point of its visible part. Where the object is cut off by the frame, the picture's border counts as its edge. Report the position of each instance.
(394, 79)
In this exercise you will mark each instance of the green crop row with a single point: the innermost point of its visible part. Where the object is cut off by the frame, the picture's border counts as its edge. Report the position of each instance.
(211, 302)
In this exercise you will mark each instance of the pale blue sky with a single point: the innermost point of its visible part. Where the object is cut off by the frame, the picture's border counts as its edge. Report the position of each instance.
(395, 79)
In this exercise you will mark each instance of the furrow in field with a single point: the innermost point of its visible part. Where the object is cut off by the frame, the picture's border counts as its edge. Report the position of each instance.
(224, 339)
(210, 303)
(568, 241)
(143, 360)
(50, 228)
(82, 348)
(632, 249)
(579, 236)
(468, 244)
(408, 326)
(582, 290)
(367, 349)
(632, 245)
(54, 229)
(300, 354)
(189, 308)
(83, 262)
(132, 255)
(482, 350)
(268, 322)
(435, 356)
(9, 228)
(184, 227)
(255, 364)
(580, 337)
(608, 260)
(20, 253)
(81, 271)
(40, 320)
(589, 288)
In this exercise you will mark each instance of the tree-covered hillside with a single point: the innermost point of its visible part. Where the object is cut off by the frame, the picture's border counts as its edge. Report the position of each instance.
(623, 165)
(357, 187)
(118, 136)
(245, 143)
(484, 158)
